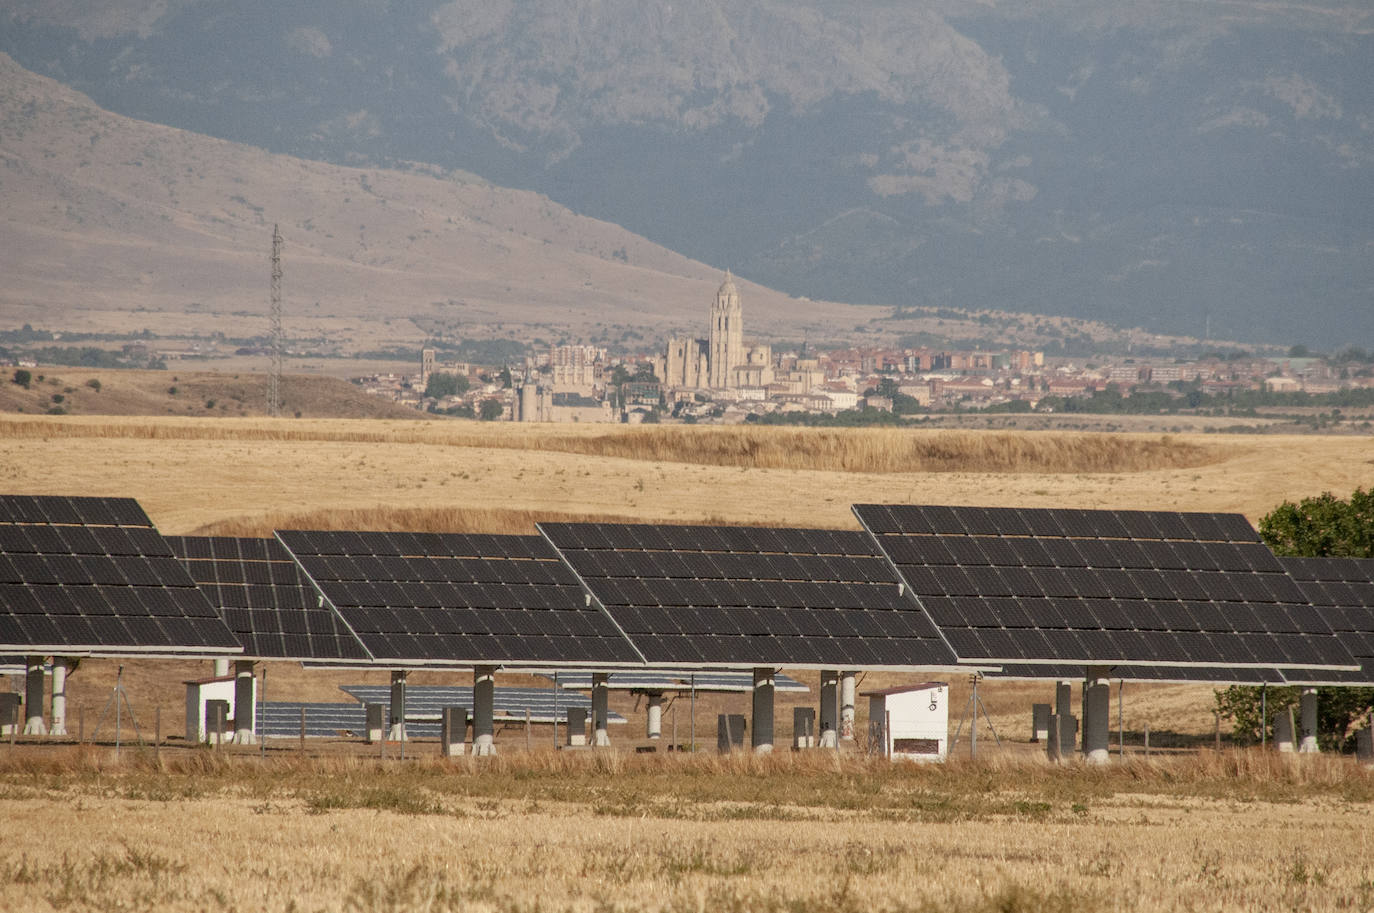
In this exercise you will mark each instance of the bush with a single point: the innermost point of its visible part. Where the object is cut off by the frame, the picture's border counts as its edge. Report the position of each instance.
(94, 384)
(23, 378)
(58, 397)
(491, 410)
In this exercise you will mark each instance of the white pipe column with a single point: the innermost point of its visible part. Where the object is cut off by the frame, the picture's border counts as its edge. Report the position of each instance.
(761, 738)
(221, 668)
(601, 694)
(59, 695)
(1097, 704)
(1307, 706)
(245, 707)
(33, 697)
(654, 723)
(397, 724)
(847, 706)
(484, 710)
(830, 708)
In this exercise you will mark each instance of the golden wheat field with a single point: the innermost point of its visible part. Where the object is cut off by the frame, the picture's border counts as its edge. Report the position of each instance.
(334, 828)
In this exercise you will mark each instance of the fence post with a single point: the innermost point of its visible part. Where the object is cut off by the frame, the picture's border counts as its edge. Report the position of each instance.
(1147, 740)
(157, 735)
(1216, 717)
(302, 730)
(527, 729)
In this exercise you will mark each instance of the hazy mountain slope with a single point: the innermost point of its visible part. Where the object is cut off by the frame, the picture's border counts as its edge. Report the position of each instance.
(112, 223)
(1163, 162)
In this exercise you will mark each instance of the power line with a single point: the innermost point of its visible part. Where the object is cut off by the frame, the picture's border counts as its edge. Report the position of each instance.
(274, 374)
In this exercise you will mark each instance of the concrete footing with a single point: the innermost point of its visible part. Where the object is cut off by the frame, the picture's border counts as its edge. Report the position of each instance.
(828, 727)
(847, 698)
(484, 710)
(1097, 702)
(1063, 708)
(1307, 721)
(396, 731)
(60, 666)
(654, 718)
(33, 696)
(1283, 731)
(761, 736)
(245, 707)
(601, 700)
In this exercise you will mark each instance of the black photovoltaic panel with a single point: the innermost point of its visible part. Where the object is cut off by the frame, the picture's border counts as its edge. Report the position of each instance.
(707, 596)
(1341, 590)
(265, 599)
(1086, 587)
(83, 575)
(450, 599)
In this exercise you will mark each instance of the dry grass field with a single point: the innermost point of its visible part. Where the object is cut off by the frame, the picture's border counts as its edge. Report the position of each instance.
(334, 829)
(607, 831)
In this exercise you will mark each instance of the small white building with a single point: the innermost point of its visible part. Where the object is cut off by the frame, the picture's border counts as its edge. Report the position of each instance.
(198, 694)
(911, 721)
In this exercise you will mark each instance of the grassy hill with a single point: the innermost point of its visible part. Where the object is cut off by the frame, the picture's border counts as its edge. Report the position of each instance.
(97, 391)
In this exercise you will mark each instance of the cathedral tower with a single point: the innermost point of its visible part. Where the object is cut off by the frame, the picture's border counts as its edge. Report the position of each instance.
(727, 335)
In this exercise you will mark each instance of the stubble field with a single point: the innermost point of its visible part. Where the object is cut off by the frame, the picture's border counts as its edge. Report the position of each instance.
(546, 831)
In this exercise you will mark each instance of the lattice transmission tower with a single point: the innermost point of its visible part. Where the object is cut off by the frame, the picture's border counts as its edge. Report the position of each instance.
(274, 374)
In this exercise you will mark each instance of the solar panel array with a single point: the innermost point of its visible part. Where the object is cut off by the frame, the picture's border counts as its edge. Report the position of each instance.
(92, 575)
(438, 598)
(265, 599)
(1342, 589)
(426, 702)
(706, 596)
(1080, 587)
(677, 680)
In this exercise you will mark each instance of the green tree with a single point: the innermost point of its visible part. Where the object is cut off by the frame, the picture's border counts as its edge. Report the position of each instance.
(491, 410)
(1323, 526)
(23, 378)
(441, 385)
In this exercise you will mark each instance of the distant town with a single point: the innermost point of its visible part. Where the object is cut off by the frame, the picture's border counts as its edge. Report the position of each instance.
(721, 379)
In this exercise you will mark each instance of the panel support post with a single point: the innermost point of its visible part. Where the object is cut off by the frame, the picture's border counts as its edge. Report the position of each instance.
(1097, 703)
(761, 737)
(653, 727)
(1307, 705)
(397, 722)
(221, 668)
(830, 708)
(1063, 708)
(33, 697)
(484, 710)
(847, 706)
(244, 703)
(60, 666)
(601, 700)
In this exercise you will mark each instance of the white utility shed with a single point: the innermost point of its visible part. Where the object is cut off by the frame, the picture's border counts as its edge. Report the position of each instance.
(197, 694)
(912, 720)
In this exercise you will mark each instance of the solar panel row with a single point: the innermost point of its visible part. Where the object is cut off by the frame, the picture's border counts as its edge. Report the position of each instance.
(833, 601)
(457, 599)
(81, 575)
(265, 599)
(935, 520)
(1046, 586)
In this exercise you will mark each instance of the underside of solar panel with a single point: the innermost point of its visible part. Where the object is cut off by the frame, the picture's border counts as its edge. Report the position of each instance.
(265, 599)
(450, 599)
(92, 576)
(722, 596)
(1097, 587)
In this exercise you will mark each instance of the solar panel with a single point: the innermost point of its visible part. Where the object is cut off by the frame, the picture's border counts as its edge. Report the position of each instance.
(287, 620)
(1341, 592)
(742, 596)
(86, 575)
(450, 599)
(427, 702)
(1102, 588)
